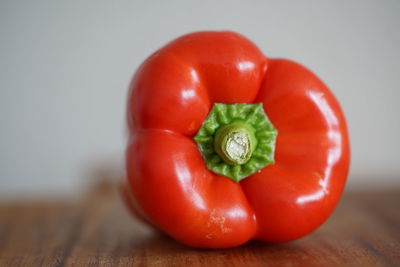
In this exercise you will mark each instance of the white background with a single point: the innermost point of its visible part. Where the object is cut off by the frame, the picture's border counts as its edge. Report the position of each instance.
(65, 67)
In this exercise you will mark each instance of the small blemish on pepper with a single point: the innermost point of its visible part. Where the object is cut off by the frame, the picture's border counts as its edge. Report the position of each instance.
(218, 220)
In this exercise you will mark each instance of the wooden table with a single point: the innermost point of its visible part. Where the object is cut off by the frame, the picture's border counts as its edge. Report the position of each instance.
(97, 230)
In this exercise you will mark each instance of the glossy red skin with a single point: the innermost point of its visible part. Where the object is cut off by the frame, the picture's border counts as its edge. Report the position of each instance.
(168, 182)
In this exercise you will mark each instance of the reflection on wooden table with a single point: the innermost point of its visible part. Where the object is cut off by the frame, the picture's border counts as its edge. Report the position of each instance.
(97, 230)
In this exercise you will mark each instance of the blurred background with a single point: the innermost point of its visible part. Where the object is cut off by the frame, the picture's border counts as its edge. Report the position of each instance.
(65, 67)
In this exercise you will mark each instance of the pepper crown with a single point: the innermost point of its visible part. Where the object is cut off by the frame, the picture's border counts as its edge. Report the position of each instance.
(237, 140)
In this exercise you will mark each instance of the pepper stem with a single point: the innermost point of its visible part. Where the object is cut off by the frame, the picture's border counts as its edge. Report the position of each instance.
(236, 140)
(235, 143)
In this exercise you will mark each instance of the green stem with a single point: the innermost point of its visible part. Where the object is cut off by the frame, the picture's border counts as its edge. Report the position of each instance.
(235, 143)
(237, 140)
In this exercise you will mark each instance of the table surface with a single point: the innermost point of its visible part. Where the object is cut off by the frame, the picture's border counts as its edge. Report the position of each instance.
(97, 230)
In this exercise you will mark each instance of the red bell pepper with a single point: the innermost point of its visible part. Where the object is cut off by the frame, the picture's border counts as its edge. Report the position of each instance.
(227, 145)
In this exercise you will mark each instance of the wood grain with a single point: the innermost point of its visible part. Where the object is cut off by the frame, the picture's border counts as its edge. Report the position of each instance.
(97, 231)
